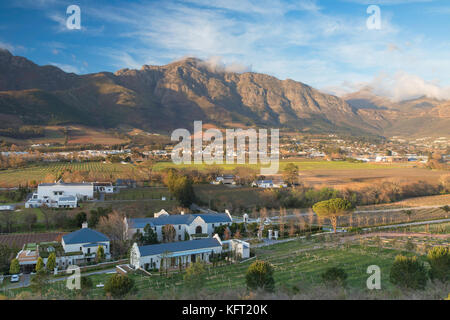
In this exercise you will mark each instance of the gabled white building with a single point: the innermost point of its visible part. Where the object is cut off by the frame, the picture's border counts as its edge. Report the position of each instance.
(181, 254)
(60, 194)
(192, 225)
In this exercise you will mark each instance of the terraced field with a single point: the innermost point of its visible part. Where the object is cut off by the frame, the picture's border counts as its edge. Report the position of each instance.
(48, 172)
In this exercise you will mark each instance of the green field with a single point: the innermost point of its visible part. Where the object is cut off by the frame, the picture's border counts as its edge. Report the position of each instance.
(303, 165)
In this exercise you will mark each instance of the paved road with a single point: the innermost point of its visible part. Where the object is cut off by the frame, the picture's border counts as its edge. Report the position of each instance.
(24, 282)
(25, 278)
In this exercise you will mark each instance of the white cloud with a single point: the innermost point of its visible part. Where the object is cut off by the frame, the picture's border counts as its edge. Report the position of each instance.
(399, 86)
(404, 86)
(217, 64)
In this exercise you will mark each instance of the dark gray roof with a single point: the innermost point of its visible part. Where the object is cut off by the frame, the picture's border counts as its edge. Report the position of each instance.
(173, 247)
(84, 235)
(178, 219)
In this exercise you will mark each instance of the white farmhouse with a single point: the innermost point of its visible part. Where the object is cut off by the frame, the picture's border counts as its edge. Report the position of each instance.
(60, 194)
(82, 244)
(181, 254)
(174, 253)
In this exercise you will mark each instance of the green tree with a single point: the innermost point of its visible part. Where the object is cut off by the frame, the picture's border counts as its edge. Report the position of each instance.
(181, 187)
(85, 285)
(39, 282)
(118, 285)
(40, 265)
(51, 262)
(6, 255)
(408, 272)
(439, 259)
(80, 218)
(332, 209)
(100, 254)
(195, 275)
(150, 236)
(335, 277)
(408, 214)
(290, 173)
(14, 268)
(260, 275)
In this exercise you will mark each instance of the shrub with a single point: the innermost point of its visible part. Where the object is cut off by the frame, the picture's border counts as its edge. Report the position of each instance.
(14, 267)
(118, 285)
(260, 275)
(439, 259)
(195, 275)
(335, 277)
(86, 285)
(408, 272)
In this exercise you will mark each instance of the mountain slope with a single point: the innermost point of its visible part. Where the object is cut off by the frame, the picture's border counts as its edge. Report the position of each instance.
(162, 98)
(414, 117)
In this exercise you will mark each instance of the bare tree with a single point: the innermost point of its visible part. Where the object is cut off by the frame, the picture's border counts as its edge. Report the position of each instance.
(114, 227)
(169, 233)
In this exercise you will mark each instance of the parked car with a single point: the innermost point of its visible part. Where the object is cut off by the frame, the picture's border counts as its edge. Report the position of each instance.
(15, 278)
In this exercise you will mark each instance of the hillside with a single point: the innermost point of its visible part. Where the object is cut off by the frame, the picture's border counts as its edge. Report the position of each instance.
(416, 117)
(162, 98)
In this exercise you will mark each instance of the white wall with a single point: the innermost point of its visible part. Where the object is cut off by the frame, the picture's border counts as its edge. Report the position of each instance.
(79, 191)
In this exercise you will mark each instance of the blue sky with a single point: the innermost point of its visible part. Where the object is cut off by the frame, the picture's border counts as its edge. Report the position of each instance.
(324, 43)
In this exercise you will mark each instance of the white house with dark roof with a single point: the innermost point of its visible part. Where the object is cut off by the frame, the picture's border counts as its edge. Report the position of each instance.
(195, 225)
(174, 253)
(84, 243)
(60, 194)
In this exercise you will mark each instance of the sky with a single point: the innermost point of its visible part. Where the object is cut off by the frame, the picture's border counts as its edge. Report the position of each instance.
(324, 43)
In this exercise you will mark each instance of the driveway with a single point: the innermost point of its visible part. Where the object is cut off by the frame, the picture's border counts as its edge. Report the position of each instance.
(25, 279)
(24, 282)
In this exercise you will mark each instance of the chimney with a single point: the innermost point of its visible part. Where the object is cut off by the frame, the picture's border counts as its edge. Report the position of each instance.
(84, 225)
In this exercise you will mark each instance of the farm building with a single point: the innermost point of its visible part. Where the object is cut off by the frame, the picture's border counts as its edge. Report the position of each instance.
(225, 179)
(84, 243)
(176, 253)
(60, 194)
(193, 225)
(269, 184)
(104, 187)
(126, 183)
(76, 248)
(181, 254)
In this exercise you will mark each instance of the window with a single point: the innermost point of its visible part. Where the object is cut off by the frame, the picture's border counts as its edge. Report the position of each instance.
(179, 227)
(213, 225)
(179, 237)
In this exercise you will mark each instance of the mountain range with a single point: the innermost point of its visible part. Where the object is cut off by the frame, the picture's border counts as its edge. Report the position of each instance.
(162, 98)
